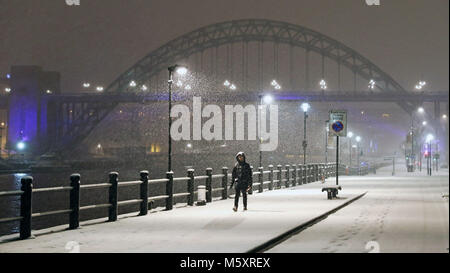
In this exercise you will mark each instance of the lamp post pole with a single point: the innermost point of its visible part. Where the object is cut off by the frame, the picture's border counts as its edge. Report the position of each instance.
(170, 82)
(260, 125)
(326, 140)
(305, 116)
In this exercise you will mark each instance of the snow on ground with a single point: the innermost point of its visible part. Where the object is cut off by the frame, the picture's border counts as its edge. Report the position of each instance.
(211, 228)
(405, 213)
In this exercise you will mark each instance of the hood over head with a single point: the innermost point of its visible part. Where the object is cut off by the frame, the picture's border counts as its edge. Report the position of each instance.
(238, 154)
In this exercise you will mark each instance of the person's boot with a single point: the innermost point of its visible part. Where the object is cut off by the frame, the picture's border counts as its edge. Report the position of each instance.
(245, 208)
(234, 208)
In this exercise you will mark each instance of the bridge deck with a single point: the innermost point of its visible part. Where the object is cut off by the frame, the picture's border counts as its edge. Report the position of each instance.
(216, 228)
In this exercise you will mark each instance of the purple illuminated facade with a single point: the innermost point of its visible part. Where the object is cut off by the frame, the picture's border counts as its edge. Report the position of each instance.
(27, 116)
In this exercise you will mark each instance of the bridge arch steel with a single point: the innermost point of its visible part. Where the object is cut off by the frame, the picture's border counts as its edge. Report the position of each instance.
(249, 30)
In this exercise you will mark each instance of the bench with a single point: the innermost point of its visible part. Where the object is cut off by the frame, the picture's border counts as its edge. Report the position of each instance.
(332, 191)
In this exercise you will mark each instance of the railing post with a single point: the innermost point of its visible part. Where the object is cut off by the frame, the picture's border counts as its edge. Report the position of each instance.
(287, 176)
(300, 174)
(310, 172)
(25, 206)
(74, 199)
(260, 179)
(304, 174)
(271, 177)
(316, 167)
(113, 196)
(279, 176)
(144, 193)
(169, 190)
(225, 183)
(294, 175)
(251, 188)
(209, 185)
(190, 187)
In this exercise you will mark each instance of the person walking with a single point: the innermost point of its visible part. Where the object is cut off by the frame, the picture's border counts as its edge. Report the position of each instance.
(243, 177)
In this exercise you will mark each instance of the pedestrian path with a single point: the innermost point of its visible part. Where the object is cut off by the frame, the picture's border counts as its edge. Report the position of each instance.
(211, 228)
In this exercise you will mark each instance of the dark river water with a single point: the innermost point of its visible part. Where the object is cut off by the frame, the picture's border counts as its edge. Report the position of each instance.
(49, 201)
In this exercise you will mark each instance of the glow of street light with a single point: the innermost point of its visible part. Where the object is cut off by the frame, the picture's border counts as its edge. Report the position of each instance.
(371, 84)
(133, 84)
(8, 76)
(188, 87)
(189, 145)
(181, 70)
(233, 87)
(144, 88)
(86, 85)
(323, 84)
(429, 138)
(277, 87)
(424, 123)
(267, 99)
(444, 116)
(274, 83)
(21, 145)
(48, 91)
(350, 134)
(179, 84)
(358, 138)
(420, 110)
(7, 89)
(305, 106)
(226, 83)
(99, 88)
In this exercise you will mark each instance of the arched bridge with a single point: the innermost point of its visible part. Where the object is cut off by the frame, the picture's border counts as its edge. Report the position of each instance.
(247, 53)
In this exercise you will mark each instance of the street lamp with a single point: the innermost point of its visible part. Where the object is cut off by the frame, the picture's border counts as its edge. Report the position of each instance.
(358, 139)
(181, 70)
(428, 139)
(266, 99)
(21, 145)
(327, 130)
(350, 135)
(305, 107)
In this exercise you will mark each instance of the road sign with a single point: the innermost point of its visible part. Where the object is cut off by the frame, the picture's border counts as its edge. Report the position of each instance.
(338, 123)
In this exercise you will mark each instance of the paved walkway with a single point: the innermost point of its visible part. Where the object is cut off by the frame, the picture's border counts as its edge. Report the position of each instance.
(211, 228)
(400, 214)
(405, 213)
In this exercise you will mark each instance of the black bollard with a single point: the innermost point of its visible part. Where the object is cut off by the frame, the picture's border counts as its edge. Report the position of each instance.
(271, 177)
(225, 183)
(113, 196)
(209, 185)
(144, 193)
(169, 191)
(25, 206)
(260, 179)
(74, 216)
(190, 187)
(287, 176)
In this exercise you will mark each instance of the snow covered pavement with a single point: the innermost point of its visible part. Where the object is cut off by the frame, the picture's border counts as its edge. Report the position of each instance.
(398, 214)
(404, 213)
(211, 228)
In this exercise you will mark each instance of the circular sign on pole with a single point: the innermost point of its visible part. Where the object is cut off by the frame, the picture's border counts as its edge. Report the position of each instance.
(338, 123)
(337, 126)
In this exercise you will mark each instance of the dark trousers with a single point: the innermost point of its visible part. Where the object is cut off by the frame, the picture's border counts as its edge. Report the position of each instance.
(238, 194)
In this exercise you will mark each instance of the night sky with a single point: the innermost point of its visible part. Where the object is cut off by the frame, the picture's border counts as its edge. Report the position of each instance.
(100, 39)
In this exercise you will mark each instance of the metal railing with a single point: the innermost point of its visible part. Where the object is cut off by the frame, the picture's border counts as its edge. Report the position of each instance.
(290, 175)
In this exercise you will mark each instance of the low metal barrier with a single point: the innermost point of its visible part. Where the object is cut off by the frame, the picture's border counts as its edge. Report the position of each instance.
(290, 175)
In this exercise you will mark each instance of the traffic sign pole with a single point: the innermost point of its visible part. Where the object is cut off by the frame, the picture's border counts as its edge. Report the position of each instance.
(337, 160)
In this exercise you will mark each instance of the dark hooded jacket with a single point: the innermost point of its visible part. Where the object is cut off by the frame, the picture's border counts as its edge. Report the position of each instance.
(242, 173)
